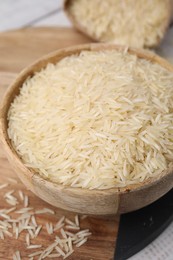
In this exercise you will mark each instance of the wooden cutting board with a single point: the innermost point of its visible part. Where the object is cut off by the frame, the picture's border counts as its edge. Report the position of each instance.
(22, 47)
(17, 50)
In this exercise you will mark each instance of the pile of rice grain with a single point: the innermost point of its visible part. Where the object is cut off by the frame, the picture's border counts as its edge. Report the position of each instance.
(23, 221)
(95, 120)
(131, 22)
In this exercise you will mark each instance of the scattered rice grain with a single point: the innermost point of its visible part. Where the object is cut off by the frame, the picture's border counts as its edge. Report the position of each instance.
(28, 239)
(59, 250)
(81, 242)
(33, 246)
(77, 220)
(16, 256)
(2, 186)
(53, 255)
(1, 235)
(45, 210)
(71, 223)
(38, 230)
(49, 228)
(34, 221)
(63, 233)
(72, 227)
(8, 233)
(68, 254)
(21, 195)
(36, 253)
(26, 202)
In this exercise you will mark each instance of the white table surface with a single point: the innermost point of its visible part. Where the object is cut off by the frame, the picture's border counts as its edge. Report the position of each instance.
(24, 13)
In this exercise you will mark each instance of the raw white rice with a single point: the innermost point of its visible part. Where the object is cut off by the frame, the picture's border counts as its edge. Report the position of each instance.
(25, 221)
(25, 215)
(34, 221)
(81, 242)
(68, 254)
(16, 256)
(1, 235)
(36, 253)
(28, 239)
(10, 199)
(8, 233)
(59, 224)
(38, 230)
(33, 246)
(45, 210)
(57, 227)
(49, 228)
(24, 210)
(59, 250)
(4, 185)
(25, 201)
(3, 215)
(72, 227)
(64, 235)
(65, 246)
(47, 254)
(83, 217)
(68, 221)
(77, 220)
(21, 195)
(77, 240)
(128, 22)
(96, 126)
(69, 234)
(17, 233)
(70, 244)
(83, 233)
(32, 235)
(10, 210)
(53, 255)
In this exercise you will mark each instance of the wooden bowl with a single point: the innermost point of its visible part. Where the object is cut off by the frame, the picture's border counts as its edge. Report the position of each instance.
(98, 202)
(84, 29)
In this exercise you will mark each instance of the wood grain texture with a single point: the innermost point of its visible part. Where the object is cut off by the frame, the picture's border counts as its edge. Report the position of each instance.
(100, 245)
(20, 48)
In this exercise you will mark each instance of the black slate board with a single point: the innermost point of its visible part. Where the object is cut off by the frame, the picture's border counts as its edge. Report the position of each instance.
(139, 228)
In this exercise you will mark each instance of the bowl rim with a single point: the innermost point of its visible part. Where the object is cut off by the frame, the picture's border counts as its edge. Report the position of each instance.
(54, 57)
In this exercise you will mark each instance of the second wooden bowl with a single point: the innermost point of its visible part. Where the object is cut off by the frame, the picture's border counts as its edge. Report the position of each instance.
(98, 202)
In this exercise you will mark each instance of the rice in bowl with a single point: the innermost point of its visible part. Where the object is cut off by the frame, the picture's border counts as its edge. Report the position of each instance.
(96, 120)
